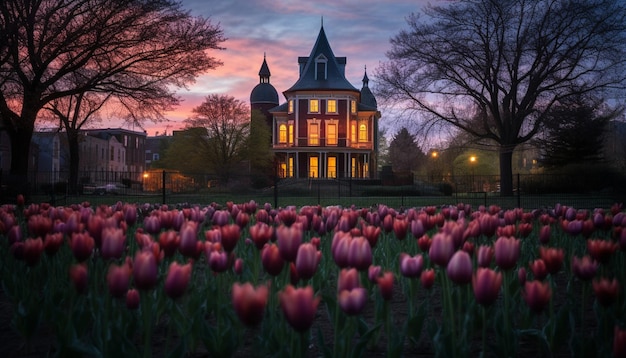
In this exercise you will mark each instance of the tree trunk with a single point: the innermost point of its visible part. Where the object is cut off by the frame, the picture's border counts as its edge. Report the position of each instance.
(72, 140)
(506, 172)
(17, 182)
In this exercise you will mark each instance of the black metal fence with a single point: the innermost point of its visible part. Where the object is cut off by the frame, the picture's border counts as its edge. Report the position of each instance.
(170, 187)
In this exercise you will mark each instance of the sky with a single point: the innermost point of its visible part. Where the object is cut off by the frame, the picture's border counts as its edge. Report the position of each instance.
(283, 30)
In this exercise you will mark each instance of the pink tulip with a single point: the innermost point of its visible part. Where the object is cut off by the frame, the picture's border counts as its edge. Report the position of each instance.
(82, 246)
(118, 279)
(411, 266)
(373, 272)
(484, 256)
(132, 299)
(261, 234)
(486, 284)
(299, 306)
(553, 258)
(584, 268)
(113, 243)
(348, 279)
(177, 279)
(459, 268)
(230, 237)
(353, 301)
(385, 285)
(441, 249)
(507, 251)
(169, 241)
(307, 261)
(52, 243)
(33, 248)
(79, 277)
(340, 248)
(249, 302)
(539, 270)
(606, 291)
(188, 239)
(289, 239)
(359, 253)
(272, 260)
(145, 270)
(537, 295)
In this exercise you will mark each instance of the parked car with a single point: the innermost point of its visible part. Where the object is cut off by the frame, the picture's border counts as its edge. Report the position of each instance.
(107, 189)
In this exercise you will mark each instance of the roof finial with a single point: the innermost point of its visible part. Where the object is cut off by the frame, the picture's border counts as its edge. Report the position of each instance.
(322, 21)
(264, 55)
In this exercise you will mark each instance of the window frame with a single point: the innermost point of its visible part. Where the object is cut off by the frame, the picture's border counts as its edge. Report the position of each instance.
(328, 107)
(317, 105)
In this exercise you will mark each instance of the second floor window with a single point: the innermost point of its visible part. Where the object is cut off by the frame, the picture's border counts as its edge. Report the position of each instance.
(291, 106)
(353, 132)
(352, 106)
(331, 134)
(314, 134)
(314, 106)
(282, 133)
(331, 106)
(362, 133)
(290, 134)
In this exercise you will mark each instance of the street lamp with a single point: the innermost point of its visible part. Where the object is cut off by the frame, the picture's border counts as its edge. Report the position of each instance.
(143, 181)
(473, 160)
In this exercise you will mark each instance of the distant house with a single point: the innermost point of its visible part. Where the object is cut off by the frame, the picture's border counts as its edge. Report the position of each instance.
(326, 128)
(111, 155)
(51, 164)
(154, 147)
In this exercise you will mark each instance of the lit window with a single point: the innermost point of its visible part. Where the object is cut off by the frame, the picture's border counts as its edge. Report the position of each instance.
(314, 106)
(291, 106)
(313, 167)
(362, 133)
(290, 133)
(353, 132)
(353, 106)
(290, 167)
(331, 106)
(314, 134)
(332, 167)
(282, 133)
(331, 134)
(353, 166)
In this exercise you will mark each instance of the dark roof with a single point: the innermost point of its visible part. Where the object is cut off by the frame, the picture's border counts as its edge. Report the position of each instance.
(335, 78)
(265, 70)
(282, 108)
(367, 97)
(264, 93)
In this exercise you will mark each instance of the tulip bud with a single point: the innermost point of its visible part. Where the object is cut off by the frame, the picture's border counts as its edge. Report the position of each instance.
(299, 306)
(145, 270)
(249, 302)
(79, 277)
(177, 279)
(132, 299)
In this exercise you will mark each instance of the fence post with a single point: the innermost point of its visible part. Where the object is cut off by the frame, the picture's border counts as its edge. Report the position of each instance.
(163, 187)
(519, 192)
(275, 191)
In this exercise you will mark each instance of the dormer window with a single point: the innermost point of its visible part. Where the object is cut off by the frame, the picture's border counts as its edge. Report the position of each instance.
(321, 68)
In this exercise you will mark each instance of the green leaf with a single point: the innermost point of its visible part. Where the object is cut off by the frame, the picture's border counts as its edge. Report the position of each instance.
(326, 352)
(364, 338)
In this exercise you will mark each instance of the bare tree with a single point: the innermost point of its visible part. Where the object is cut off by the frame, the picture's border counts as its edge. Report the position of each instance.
(137, 51)
(226, 121)
(505, 62)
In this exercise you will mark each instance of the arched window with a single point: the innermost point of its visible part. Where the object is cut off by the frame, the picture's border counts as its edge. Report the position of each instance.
(362, 133)
(282, 133)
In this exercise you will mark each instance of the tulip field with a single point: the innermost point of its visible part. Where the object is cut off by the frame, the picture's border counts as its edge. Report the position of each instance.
(247, 279)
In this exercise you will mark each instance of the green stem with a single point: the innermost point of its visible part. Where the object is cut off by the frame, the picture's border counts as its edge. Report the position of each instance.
(484, 349)
(338, 352)
(146, 312)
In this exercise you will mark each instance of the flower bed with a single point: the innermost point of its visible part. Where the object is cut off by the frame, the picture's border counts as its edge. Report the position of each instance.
(241, 280)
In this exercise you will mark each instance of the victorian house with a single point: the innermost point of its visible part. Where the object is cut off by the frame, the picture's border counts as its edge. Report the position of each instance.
(327, 128)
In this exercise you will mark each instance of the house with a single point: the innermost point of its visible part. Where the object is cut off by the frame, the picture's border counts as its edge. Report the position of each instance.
(50, 162)
(326, 128)
(120, 153)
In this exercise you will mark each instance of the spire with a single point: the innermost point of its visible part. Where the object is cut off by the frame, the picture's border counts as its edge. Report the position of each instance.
(366, 80)
(264, 72)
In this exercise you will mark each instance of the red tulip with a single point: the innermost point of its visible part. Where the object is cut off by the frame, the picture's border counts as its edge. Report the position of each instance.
(507, 251)
(52, 243)
(307, 260)
(424, 243)
(539, 270)
(584, 268)
(177, 279)
(238, 267)
(521, 275)
(39, 225)
(486, 284)
(118, 278)
(359, 253)
(353, 301)
(289, 239)
(411, 266)
(601, 250)
(230, 237)
(79, 277)
(249, 302)
(261, 234)
(441, 249)
(271, 259)
(113, 242)
(427, 278)
(385, 285)
(82, 246)
(132, 299)
(484, 256)
(218, 260)
(145, 270)
(537, 295)
(32, 251)
(459, 268)
(619, 342)
(348, 279)
(371, 233)
(262, 216)
(606, 291)
(220, 218)
(287, 217)
(508, 230)
(553, 259)
(299, 306)
(400, 227)
(544, 234)
(169, 241)
(524, 229)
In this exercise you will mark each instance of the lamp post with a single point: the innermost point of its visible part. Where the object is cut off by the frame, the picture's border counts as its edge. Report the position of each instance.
(472, 160)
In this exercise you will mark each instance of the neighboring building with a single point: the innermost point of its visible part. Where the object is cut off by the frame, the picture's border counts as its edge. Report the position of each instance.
(129, 149)
(327, 128)
(50, 161)
(154, 147)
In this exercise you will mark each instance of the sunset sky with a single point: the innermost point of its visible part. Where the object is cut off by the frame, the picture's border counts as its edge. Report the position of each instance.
(285, 29)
